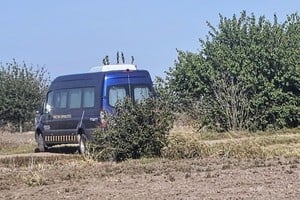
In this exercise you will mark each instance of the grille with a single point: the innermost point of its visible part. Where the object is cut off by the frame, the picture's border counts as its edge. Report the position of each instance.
(61, 138)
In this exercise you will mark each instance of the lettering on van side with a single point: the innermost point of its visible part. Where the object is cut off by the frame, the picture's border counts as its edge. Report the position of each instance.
(62, 116)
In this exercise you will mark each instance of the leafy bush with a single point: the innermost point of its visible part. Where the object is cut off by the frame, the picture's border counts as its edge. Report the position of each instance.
(22, 90)
(246, 75)
(136, 130)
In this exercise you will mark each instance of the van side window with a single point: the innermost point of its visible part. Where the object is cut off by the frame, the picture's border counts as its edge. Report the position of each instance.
(75, 98)
(88, 97)
(140, 93)
(60, 99)
(49, 102)
(116, 94)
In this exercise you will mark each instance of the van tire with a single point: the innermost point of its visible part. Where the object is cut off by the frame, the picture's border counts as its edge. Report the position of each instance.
(82, 143)
(41, 143)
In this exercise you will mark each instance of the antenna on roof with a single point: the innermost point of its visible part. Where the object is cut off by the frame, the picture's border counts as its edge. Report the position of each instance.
(123, 59)
(105, 60)
(118, 57)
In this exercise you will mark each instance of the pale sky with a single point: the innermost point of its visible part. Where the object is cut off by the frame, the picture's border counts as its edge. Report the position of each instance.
(71, 36)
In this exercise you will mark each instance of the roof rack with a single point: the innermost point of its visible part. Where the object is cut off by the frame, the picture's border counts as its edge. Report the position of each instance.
(106, 68)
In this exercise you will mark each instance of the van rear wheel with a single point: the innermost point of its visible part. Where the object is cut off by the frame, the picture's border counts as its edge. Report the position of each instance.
(41, 143)
(82, 143)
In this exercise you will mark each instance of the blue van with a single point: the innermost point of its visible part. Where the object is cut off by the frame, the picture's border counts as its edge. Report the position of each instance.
(77, 104)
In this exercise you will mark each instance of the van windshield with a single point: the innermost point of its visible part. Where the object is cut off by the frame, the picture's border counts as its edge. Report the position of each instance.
(118, 93)
(49, 102)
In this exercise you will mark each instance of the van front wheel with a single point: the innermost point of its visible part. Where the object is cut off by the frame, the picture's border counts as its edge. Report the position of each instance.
(82, 143)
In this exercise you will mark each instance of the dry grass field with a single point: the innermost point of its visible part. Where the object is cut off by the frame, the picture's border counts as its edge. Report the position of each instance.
(199, 166)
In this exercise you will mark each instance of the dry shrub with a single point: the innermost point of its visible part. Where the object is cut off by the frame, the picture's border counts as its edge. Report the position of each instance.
(138, 129)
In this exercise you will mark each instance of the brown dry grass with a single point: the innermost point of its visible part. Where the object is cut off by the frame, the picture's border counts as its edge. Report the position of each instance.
(16, 143)
(188, 144)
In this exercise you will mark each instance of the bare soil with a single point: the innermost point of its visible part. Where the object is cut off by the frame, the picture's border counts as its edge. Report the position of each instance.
(69, 176)
(16, 139)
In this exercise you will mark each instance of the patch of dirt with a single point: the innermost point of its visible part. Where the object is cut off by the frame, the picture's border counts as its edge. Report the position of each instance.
(40, 176)
(153, 179)
(17, 138)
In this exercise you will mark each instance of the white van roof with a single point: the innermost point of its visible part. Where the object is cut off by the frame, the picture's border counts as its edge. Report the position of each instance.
(106, 68)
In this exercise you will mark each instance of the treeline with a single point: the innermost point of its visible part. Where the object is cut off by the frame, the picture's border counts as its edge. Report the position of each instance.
(245, 77)
(22, 90)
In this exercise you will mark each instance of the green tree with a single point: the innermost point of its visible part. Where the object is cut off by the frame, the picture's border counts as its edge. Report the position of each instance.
(246, 75)
(22, 90)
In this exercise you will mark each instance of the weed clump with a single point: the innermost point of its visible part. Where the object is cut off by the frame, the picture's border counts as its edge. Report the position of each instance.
(137, 129)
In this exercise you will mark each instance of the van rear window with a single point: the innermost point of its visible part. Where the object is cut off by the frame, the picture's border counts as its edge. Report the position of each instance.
(138, 93)
(116, 94)
(141, 93)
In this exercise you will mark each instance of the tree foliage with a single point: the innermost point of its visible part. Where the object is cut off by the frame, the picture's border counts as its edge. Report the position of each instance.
(22, 90)
(246, 75)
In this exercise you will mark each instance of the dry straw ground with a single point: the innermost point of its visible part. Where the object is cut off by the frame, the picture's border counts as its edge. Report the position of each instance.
(204, 166)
